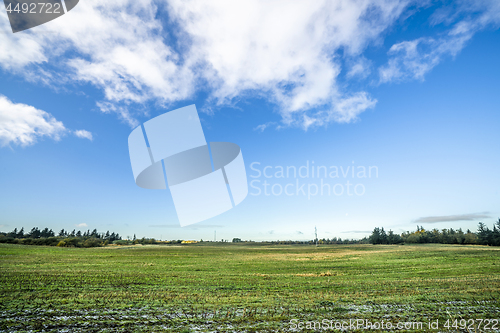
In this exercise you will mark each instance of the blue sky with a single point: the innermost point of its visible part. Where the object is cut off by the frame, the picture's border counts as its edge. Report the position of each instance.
(409, 88)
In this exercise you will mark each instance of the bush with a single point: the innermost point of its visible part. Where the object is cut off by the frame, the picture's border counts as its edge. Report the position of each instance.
(92, 242)
(10, 240)
(121, 242)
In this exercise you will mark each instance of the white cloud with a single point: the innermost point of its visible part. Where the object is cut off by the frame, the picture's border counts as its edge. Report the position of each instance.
(359, 68)
(122, 112)
(413, 59)
(347, 109)
(121, 50)
(262, 127)
(453, 218)
(284, 50)
(281, 50)
(81, 225)
(83, 134)
(18, 50)
(115, 45)
(22, 124)
(288, 52)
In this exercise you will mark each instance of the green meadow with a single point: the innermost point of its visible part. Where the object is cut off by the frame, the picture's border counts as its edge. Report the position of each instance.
(246, 287)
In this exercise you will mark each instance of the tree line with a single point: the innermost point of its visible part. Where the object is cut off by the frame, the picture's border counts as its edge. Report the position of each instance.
(63, 238)
(46, 236)
(483, 236)
(322, 241)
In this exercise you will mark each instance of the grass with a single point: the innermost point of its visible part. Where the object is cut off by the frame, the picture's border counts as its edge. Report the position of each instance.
(242, 287)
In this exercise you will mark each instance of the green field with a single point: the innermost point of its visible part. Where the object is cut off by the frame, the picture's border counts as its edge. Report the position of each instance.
(244, 287)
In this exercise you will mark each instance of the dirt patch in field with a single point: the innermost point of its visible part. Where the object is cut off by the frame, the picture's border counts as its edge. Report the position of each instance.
(351, 255)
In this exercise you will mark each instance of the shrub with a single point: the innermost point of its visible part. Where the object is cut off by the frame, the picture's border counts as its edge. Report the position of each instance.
(92, 242)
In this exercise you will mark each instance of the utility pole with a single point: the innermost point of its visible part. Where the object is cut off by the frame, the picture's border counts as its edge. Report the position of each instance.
(316, 235)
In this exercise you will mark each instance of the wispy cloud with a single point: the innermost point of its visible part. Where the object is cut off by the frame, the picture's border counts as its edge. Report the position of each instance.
(122, 112)
(164, 226)
(452, 218)
(262, 127)
(81, 225)
(23, 125)
(359, 68)
(415, 58)
(357, 232)
(83, 134)
(200, 226)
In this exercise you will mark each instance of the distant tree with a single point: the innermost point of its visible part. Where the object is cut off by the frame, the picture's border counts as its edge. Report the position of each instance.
(393, 238)
(470, 237)
(46, 233)
(62, 233)
(375, 236)
(459, 237)
(13, 233)
(34, 233)
(383, 236)
(496, 234)
(484, 235)
(79, 234)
